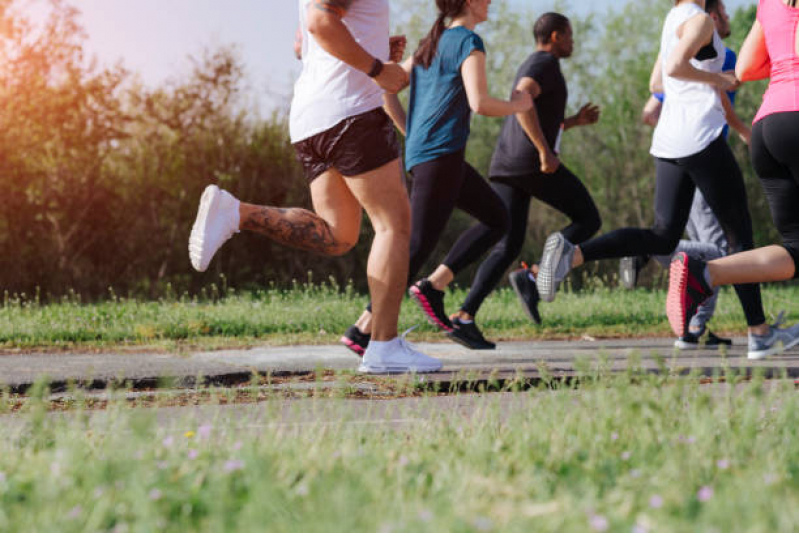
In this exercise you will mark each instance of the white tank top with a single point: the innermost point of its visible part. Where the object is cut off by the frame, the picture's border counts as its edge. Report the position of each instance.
(328, 90)
(692, 116)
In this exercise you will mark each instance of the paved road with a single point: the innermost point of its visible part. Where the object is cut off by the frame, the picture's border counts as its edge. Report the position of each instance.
(559, 358)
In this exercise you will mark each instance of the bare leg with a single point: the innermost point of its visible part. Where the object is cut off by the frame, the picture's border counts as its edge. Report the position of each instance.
(441, 277)
(771, 263)
(382, 194)
(332, 230)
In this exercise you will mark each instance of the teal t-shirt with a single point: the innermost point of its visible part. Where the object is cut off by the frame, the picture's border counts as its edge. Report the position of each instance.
(438, 110)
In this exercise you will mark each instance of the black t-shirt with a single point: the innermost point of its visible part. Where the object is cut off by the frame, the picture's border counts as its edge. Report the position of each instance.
(515, 154)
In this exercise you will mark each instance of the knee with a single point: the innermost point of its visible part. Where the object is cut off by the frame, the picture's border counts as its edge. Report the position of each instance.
(665, 241)
(593, 222)
(341, 247)
(500, 227)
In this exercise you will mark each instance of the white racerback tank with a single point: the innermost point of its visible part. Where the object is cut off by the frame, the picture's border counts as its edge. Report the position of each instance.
(692, 115)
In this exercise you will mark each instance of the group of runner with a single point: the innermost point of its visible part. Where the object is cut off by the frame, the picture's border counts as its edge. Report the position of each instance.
(344, 120)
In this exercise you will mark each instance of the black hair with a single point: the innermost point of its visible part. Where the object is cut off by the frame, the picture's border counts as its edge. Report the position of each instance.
(548, 23)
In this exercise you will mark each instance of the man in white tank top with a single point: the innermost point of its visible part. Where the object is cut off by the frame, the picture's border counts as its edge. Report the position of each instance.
(349, 151)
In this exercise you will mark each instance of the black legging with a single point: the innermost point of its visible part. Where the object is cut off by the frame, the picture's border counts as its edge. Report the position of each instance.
(561, 190)
(437, 188)
(775, 156)
(716, 173)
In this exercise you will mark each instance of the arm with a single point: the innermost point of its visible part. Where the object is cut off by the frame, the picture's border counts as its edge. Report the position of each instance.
(587, 115)
(696, 32)
(656, 78)
(529, 122)
(753, 61)
(651, 112)
(733, 119)
(393, 108)
(326, 25)
(473, 71)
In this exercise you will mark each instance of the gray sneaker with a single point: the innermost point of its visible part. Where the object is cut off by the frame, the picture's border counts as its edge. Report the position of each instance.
(556, 262)
(776, 341)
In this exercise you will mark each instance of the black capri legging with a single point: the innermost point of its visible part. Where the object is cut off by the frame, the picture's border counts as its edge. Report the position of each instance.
(716, 173)
(562, 190)
(775, 156)
(437, 188)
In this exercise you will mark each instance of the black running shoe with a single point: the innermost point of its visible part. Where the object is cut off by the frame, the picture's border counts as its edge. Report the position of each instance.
(468, 335)
(525, 289)
(629, 268)
(694, 341)
(355, 340)
(431, 302)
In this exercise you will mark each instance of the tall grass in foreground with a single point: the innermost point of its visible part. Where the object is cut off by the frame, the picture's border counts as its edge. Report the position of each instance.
(318, 314)
(658, 454)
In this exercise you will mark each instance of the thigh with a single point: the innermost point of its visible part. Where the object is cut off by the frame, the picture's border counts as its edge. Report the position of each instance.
(382, 194)
(335, 203)
(674, 193)
(565, 192)
(517, 203)
(479, 199)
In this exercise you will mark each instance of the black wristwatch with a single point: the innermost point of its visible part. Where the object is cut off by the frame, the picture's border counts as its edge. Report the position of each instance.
(377, 68)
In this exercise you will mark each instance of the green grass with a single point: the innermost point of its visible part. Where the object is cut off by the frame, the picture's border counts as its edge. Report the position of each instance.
(319, 313)
(649, 454)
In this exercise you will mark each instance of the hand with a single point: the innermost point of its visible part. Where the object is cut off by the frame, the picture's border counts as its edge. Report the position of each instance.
(746, 135)
(392, 79)
(587, 115)
(522, 101)
(737, 83)
(726, 81)
(549, 162)
(397, 44)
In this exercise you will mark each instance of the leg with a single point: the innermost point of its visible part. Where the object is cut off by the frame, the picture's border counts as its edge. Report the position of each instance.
(332, 230)
(718, 176)
(503, 255)
(565, 192)
(383, 196)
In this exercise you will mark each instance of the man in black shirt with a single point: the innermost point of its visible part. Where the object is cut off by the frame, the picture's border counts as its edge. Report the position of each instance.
(526, 165)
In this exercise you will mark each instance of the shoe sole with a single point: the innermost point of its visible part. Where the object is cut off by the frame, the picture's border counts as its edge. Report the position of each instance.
(519, 295)
(466, 344)
(677, 298)
(777, 348)
(352, 346)
(370, 369)
(682, 345)
(209, 202)
(545, 282)
(627, 272)
(424, 304)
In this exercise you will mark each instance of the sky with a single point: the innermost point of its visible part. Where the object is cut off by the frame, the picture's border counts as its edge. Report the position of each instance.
(155, 37)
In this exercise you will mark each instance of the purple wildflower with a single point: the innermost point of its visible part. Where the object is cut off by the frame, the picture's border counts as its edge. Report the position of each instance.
(599, 523)
(233, 465)
(625, 456)
(168, 442)
(204, 431)
(193, 454)
(156, 494)
(704, 494)
(723, 464)
(656, 501)
(75, 512)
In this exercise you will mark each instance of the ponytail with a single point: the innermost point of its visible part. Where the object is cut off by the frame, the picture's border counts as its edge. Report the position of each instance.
(429, 45)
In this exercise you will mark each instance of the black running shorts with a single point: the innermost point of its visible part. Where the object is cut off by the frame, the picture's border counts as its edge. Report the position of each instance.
(354, 146)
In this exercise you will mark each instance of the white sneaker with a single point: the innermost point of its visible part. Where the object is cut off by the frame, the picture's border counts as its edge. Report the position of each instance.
(777, 340)
(396, 356)
(217, 221)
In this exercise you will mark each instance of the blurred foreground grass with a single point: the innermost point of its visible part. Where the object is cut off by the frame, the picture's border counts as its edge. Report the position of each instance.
(625, 453)
(319, 313)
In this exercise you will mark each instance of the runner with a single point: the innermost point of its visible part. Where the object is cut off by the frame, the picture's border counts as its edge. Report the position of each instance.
(448, 82)
(525, 165)
(707, 239)
(771, 50)
(689, 152)
(349, 151)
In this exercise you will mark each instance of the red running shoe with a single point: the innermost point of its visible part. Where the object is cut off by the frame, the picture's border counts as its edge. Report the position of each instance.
(687, 290)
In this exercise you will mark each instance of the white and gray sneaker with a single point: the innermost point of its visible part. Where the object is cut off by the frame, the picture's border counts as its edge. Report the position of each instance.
(396, 356)
(217, 220)
(556, 262)
(776, 341)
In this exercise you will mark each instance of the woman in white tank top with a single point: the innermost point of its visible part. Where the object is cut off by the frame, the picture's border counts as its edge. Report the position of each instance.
(690, 152)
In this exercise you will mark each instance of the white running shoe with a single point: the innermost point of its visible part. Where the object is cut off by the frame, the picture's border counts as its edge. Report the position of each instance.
(555, 265)
(217, 221)
(396, 356)
(776, 341)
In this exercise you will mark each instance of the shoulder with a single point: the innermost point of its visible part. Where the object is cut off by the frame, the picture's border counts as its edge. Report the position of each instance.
(466, 37)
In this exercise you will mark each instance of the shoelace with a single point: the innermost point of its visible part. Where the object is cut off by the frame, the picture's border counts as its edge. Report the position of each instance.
(403, 339)
(780, 320)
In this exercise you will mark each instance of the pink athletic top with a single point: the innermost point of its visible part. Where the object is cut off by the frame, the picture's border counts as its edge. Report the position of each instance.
(779, 23)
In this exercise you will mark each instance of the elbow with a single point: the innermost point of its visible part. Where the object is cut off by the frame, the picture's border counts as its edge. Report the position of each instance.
(672, 69)
(317, 25)
(477, 106)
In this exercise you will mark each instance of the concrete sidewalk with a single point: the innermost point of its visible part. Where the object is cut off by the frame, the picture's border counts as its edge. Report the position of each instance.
(228, 367)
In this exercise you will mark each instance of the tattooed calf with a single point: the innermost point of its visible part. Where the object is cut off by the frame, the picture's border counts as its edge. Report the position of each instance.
(296, 228)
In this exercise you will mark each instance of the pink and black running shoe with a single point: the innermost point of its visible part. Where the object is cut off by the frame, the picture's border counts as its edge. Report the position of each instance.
(687, 290)
(355, 340)
(431, 302)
